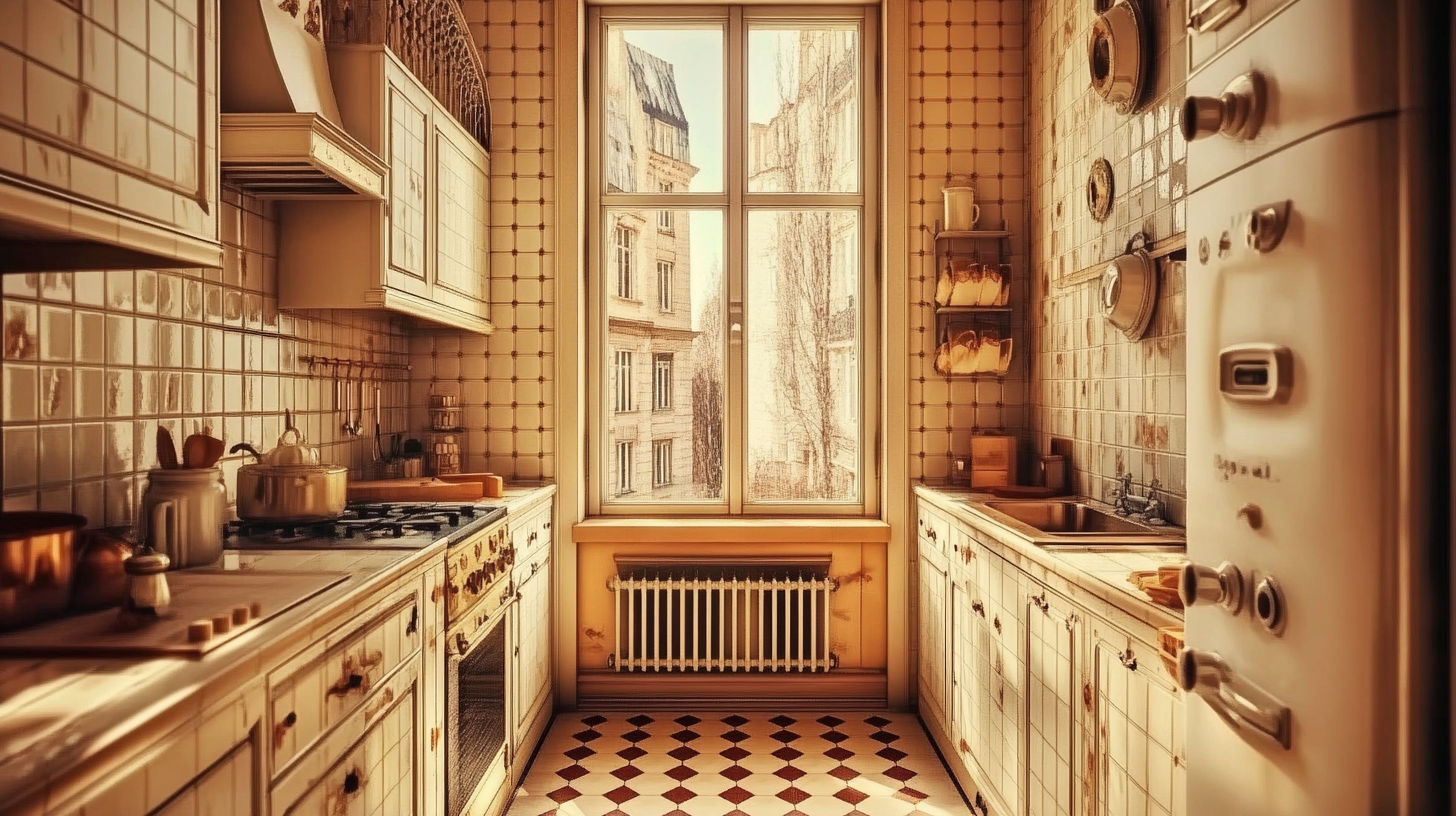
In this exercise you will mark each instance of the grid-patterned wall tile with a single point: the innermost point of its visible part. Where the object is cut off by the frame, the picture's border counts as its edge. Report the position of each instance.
(967, 116)
(505, 382)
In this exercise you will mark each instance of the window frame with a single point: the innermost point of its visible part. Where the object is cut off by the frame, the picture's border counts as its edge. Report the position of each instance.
(665, 271)
(661, 462)
(736, 202)
(624, 378)
(662, 383)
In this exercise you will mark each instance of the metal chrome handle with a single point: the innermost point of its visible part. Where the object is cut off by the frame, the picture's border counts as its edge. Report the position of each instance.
(1239, 702)
(1212, 14)
(1199, 584)
(1236, 113)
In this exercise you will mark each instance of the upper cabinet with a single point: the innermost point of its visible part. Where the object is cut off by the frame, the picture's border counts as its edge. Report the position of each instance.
(108, 135)
(425, 250)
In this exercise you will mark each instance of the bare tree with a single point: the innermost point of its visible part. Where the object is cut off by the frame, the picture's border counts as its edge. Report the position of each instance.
(708, 392)
(803, 259)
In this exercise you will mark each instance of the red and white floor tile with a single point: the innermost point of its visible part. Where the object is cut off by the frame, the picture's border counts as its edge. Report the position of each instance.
(726, 764)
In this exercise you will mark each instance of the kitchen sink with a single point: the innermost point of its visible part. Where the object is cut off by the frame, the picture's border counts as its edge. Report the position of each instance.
(1068, 517)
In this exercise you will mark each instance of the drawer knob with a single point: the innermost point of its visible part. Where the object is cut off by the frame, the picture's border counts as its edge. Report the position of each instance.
(351, 783)
(1236, 113)
(414, 622)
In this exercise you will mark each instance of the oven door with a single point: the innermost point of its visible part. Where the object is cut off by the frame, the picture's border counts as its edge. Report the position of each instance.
(476, 716)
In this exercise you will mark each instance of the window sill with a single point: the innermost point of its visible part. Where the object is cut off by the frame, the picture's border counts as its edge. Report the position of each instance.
(679, 530)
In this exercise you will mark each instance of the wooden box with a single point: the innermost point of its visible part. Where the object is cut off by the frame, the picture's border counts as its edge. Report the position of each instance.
(993, 461)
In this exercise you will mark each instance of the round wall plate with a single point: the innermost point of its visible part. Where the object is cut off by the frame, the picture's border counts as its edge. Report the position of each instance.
(1100, 190)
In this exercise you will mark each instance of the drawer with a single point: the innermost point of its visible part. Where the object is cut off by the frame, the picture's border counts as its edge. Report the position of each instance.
(367, 765)
(933, 529)
(533, 533)
(318, 688)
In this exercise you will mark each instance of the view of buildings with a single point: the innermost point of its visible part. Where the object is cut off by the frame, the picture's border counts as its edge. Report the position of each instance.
(665, 384)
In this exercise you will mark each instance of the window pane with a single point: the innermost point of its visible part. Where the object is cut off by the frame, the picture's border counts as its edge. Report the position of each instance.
(803, 339)
(803, 110)
(664, 113)
(665, 356)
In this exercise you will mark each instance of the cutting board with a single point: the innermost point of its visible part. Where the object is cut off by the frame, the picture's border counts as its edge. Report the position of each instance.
(416, 490)
(493, 484)
(196, 594)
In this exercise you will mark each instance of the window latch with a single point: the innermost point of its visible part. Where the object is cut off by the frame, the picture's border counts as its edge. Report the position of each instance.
(735, 323)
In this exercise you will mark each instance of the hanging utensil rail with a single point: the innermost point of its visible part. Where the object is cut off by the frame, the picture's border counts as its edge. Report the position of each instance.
(334, 365)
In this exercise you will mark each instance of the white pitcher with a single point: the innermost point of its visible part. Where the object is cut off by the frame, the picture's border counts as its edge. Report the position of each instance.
(183, 512)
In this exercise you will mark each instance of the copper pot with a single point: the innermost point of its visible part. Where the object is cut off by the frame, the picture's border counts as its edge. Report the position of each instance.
(37, 553)
(100, 579)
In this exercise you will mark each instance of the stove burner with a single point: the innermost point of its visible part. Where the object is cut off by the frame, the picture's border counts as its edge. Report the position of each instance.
(360, 521)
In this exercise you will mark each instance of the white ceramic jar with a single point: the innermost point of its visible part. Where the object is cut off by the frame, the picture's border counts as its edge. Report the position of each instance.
(182, 514)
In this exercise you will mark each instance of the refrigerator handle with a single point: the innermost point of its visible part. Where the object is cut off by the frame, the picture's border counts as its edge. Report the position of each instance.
(1240, 703)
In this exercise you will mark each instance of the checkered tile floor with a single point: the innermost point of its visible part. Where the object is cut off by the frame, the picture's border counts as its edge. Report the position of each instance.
(755, 764)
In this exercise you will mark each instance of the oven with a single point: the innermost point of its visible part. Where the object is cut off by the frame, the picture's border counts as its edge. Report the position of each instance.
(477, 723)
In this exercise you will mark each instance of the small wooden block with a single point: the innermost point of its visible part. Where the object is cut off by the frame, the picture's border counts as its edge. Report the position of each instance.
(222, 624)
(241, 615)
(199, 631)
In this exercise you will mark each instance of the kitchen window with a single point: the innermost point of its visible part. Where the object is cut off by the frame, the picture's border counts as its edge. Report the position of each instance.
(624, 247)
(662, 382)
(661, 462)
(664, 286)
(622, 402)
(746, 134)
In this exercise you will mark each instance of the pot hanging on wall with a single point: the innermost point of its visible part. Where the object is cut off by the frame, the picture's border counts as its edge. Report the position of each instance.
(1117, 57)
(1129, 289)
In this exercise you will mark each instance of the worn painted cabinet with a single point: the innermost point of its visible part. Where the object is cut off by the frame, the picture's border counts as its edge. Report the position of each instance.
(1047, 709)
(426, 250)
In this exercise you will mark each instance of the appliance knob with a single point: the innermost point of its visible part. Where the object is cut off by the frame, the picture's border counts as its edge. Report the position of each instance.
(1201, 672)
(1269, 604)
(1236, 113)
(1200, 584)
(1264, 228)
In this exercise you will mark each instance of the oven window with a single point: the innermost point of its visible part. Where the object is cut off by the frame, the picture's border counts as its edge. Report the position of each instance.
(476, 715)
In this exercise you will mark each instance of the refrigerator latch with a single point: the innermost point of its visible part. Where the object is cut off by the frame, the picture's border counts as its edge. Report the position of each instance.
(1238, 702)
(1256, 372)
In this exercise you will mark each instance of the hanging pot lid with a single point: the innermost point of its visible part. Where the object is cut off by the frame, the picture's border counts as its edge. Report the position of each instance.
(1129, 289)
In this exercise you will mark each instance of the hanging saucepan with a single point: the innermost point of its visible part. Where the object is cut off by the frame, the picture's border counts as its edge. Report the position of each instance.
(1117, 55)
(1130, 289)
(288, 485)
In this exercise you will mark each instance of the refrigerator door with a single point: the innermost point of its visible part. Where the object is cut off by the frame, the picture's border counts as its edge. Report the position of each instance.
(1290, 458)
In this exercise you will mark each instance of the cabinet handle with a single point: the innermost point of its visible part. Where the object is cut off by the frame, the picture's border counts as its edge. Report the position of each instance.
(1041, 602)
(517, 652)
(342, 688)
(414, 622)
(1072, 621)
(931, 535)
(435, 594)
(978, 607)
(996, 621)
(352, 783)
(462, 643)
(280, 731)
(547, 525)
(1127, 659)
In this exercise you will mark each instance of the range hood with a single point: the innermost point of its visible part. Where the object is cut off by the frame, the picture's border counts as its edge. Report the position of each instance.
(298, 156)
(281, 130)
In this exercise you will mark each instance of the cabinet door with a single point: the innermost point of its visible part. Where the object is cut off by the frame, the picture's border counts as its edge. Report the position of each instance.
(966, 699)
(226, 789)
(1051, 688)
(531, 655)
(1140, 756)
(461, 217)
(377, 775)
(409, 132)
(1000, 662)
(934, 664)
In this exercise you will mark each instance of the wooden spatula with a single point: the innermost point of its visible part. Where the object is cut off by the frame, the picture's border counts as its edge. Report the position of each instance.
(166, 449)
(201, 451)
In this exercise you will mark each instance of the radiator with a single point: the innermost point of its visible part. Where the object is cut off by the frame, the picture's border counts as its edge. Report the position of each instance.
(726, 615)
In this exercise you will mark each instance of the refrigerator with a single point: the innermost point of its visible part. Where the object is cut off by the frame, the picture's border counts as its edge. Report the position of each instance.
(1318, 408)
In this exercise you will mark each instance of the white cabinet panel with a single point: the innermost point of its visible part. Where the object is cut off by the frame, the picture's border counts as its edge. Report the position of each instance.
(532, 653)
(1051, 660)
(934, 640)
(1140, 758)
(408, 128)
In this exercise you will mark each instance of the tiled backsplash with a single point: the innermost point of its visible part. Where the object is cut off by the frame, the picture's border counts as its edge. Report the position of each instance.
(1122, 403)
(967, 116)
(95, 361)
(506, 381)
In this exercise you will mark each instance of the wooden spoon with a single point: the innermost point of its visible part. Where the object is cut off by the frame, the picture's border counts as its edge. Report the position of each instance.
(166, 449)
(201, 451)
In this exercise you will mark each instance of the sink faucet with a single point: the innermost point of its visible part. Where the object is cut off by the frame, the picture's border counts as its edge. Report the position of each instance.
(1151, 511)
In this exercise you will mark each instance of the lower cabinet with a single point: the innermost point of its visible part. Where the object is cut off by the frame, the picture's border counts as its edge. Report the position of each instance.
(1045, 708)
(367, 766)
(531, 658)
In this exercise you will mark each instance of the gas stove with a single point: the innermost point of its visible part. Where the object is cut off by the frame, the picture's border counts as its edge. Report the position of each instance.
(368, 526)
